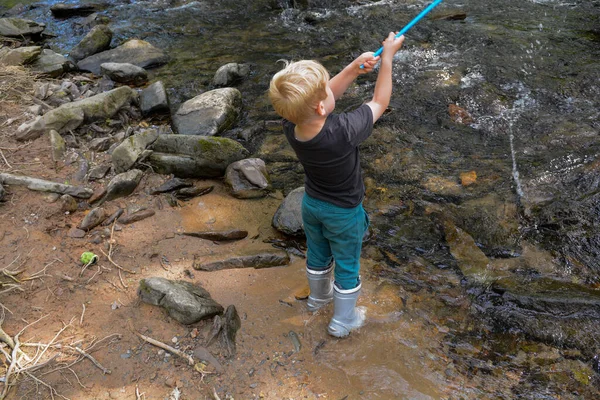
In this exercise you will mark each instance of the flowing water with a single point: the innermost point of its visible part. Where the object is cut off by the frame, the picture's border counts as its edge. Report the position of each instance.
(525, 75)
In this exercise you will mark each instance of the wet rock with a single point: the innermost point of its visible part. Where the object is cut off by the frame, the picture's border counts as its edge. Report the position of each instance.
(51, 64)
(189, 156)
(58, 145)
(288, 217)
(191, 192)
(450, 16)
(16, 10)
(122, 185)
(171, 185)
(98, 172)
(134, 51)
(257, 260)
(66, 10)
(17, 27)
(248, 179)
(136, 216)
(19, 56)
(124, 73)
(443, 186)
(68, 203)
(210, 113)
(97, 40)
(184, 301)
(233, 234)
(230, 74)
(154, 99)
(93, 219)
(131, 149)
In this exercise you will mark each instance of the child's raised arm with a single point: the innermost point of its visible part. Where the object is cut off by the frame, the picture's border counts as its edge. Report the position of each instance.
(339, 83)
(383, 86)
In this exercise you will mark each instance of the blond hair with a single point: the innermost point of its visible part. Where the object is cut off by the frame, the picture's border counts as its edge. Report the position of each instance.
(297, 89)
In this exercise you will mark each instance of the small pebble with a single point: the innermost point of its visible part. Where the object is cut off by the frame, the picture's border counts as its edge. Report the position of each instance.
(174, 340)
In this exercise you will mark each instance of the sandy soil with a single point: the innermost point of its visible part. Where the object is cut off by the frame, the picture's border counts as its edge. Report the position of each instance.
(53, 300)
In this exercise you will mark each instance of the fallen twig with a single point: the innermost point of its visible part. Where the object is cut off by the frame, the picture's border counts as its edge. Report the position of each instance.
(168, 348)
(115, 264)
(82, 314)
(105, 371)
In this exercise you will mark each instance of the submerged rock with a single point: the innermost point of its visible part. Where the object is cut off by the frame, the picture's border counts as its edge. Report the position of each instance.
(65, 10)
(210, 113)
(230, 74)
(184, 301)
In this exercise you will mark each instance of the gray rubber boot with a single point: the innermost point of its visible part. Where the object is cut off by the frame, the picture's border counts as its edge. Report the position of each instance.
(321, 288)
(346, 316)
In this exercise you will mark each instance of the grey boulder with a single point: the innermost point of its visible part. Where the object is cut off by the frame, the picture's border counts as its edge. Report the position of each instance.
(288, 217)
(135, 51)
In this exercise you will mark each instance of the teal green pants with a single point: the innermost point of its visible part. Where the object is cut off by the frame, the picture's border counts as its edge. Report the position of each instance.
(334, 233)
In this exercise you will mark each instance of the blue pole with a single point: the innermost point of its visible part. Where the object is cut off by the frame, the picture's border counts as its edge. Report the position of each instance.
(411, 24)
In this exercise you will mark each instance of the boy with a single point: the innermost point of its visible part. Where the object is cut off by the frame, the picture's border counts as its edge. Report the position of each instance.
(327, 146)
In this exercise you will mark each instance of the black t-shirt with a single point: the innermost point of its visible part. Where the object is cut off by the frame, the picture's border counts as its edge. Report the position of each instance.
(331, 159)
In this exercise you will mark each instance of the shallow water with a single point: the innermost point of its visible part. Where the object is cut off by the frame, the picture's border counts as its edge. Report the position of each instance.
(526, 72)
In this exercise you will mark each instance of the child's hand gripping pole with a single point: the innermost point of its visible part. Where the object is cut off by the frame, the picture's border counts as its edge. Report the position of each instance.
(410, 24)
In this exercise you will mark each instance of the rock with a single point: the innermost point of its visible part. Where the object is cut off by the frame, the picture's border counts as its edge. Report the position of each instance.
(98, 172)
(154, 100)
(64, 10)
(122, 185)
(188, 156)
(20, 56)
(248, 179)
(210, 113)
(2, 193)
(16, 10)
(17, 27)
(129, 151)
(93, 219)
(288, 217)
(234, 234)
(184, 301)
(124, 73)
(57, 143)
(134, 51)
(97, 40)
(100, 144)
(51, 64)
(45, 186)
(68, 203)
(459, 115)
(257, 260)
(226, 330)
(76, 233)
(171, 185)
(230, 74)
(35, 110)
(191, 192)
(99, 193)
(31, 130)
(135, 217)
(468, 178)
(69, 116)
(115, 216)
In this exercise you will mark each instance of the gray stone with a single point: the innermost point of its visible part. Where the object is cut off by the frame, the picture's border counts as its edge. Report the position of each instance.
(20, 56)
(122, 185)
(17, 27)
(134, 51)
(97, 40)
(248, 179)
(135, 217)
(76, 233)
(154, 99)
(188, 156)
(98, 172)
(63, 119)
(288, 217)
(31, 130)
(35, 110)
(124, 73)
(68, 203)
(42, 185)
(2, 193)
(100, 144)
(92, 219)
(58, 145)
(230, 74)
(210, 113)
(51, 64)
(233, 234)
(184, 301)
(264, 259)
(129, 151)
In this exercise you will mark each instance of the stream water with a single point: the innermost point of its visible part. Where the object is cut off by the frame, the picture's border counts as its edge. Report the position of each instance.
(525, 74)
